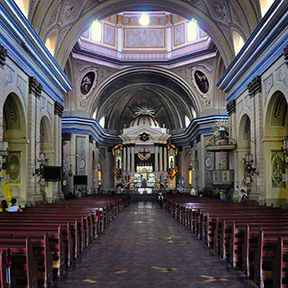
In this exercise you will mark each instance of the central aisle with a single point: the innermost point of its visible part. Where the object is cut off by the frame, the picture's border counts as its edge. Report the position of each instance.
(146, 247)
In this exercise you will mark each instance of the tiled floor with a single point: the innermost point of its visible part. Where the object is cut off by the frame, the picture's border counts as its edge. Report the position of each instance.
(146, 247)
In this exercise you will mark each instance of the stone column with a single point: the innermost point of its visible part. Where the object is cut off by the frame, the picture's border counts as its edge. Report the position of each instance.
(58, 112)
(3, 55)
(238, 174)
(161, 158)
(165, 159)
(133, 158)
(129, 159)
(33, 188)
(258, 183)
(124, 158)
(156, 159)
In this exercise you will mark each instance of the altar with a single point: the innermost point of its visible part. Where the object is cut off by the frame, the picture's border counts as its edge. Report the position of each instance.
(145, 160)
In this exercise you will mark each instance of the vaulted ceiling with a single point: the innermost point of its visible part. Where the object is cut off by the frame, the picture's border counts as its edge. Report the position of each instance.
(169, 97)
(70, 18)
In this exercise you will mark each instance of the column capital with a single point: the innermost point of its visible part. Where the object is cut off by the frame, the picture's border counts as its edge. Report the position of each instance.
(255, 87)
(58, 109)
(35, 87)
(231, 107)
(285, 53)
(3, 55)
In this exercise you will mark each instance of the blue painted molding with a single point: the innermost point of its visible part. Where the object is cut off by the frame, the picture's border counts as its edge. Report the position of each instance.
(91, 127)
(269, 34)
(28, 51)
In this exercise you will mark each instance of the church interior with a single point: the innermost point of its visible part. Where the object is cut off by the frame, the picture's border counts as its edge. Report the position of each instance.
(118, 97)
(193, 100)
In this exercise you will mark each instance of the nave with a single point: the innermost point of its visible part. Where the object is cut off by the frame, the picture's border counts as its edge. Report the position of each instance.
(145, 247)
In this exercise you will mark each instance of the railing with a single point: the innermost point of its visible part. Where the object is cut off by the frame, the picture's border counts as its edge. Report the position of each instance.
(142, 55)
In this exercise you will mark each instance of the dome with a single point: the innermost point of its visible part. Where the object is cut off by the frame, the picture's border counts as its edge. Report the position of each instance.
(144, 120)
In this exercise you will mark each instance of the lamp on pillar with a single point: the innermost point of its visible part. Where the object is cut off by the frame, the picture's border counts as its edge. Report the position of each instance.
(248, 165)
(41, 160)
(4, 153)
(285, 151)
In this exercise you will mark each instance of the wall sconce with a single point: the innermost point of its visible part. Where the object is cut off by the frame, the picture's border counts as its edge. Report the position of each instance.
(248, 165)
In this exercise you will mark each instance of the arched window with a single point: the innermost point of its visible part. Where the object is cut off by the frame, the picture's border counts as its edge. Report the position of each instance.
(51, 43)
(102, 122)
(23, 6)
(265, 5)
(238, 42)
(187, 121)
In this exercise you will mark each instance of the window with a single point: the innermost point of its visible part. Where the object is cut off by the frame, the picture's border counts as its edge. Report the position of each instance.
(187, 121)
(237, 41)
(192, 30)
(96, 28)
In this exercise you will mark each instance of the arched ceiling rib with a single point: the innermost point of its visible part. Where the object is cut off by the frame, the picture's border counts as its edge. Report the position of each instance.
(70, 18)
(168, 98)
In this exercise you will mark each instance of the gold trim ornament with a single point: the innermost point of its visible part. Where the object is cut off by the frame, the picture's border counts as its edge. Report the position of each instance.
(144, 137)
(144, 154)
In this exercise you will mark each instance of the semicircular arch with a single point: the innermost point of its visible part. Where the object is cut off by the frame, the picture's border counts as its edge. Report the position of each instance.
(209, 24)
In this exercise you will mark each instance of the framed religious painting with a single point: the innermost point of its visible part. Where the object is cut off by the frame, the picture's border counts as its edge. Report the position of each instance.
(87, 82)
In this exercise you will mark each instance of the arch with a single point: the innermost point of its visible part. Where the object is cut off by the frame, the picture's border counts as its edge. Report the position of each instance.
(276, 123)
(185, 10)
(172, 97)
(14, 132)
(14, 122)
(276, 118)
(46, 139)
(244, 133)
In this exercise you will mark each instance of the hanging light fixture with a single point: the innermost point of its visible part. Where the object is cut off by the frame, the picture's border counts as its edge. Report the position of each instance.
(144, 19)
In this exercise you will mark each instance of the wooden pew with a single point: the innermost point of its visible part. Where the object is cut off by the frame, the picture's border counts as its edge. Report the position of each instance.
(56, 243)
(266, 255)
(24, 268)
(280, 264)
(41, 252)
(3, 269)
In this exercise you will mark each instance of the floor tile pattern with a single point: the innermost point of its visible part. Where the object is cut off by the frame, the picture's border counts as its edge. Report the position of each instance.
(145, 247)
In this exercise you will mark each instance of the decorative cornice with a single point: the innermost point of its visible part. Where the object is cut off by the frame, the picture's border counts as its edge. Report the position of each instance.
(35, 87)
(285, 53)
(3, 55)
(254, 86)
(58, 109)
(231, 107)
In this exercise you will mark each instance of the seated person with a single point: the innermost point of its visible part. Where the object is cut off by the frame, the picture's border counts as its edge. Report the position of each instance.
(14, 207)
(4, 206)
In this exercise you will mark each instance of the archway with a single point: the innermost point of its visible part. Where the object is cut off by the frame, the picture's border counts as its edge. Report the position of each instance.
(46, 147)
(244, 148)
(276, 123)
(14, 132)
